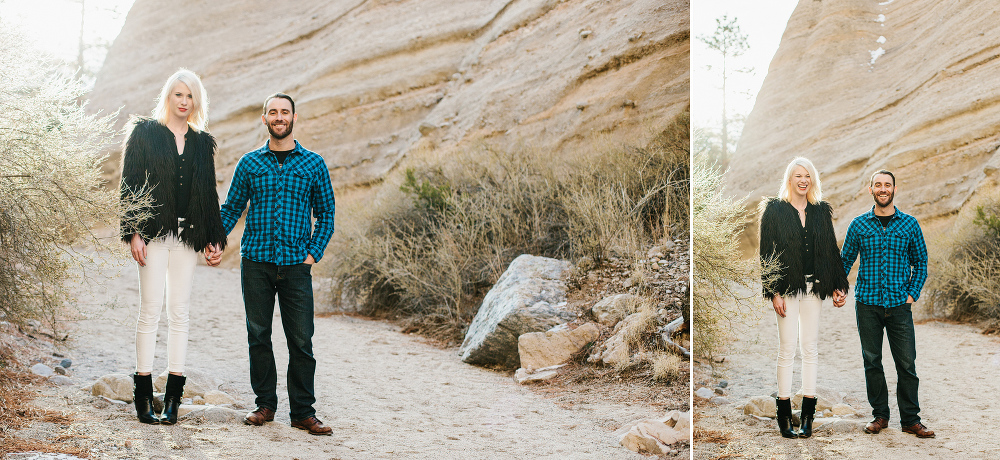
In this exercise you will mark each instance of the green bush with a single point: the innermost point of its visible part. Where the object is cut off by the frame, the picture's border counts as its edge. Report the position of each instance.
(429, 250)
(965, 266)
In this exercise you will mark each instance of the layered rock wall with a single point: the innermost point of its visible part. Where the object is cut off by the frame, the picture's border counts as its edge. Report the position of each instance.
(376, 80)
(861, 85)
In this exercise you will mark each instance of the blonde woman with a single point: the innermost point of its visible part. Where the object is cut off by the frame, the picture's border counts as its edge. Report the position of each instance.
(171, 155)
(796, 230)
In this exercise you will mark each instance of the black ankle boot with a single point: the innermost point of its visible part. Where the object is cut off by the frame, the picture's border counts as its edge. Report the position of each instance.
(142, 395)
(172, 398)
(808, 414)
(785, 418)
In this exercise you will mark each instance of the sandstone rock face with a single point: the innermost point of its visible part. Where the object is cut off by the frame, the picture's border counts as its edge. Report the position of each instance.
(377, 80)
(927, 108)
(525, 299)
(113, 386)
(543, 349)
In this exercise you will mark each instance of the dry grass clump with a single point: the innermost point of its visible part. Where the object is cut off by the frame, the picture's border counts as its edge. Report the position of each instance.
(726, 286)
(16, 410)
(50, 185)
(428, 250)
(965, 264)
(667, 367)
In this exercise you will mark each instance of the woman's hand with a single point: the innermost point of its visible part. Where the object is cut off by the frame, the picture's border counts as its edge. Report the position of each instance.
(213, 255)
(138, 247)
(839, 298)
(779, 305)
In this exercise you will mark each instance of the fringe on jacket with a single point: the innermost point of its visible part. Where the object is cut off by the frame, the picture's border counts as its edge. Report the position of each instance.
(148, 162)
(780, 239)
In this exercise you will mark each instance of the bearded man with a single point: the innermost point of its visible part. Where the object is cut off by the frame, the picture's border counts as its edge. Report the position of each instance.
(891, 275)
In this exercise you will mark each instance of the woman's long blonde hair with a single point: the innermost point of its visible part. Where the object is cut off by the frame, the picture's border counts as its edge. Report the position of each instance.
(815, 193)
(198, 117)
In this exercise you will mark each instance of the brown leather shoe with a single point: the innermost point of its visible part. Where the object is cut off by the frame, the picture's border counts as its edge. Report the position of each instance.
(314, 426)
(874, 426)
(919, 430)
(259, 416)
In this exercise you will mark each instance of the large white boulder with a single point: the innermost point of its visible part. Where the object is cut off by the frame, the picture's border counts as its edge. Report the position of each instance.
(528, 297)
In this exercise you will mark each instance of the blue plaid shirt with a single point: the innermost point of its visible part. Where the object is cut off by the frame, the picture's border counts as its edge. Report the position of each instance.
(282, 199)
(893, 259)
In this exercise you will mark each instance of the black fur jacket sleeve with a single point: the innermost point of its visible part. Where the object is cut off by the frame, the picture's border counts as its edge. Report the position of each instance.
(780, 239)
(148, 162)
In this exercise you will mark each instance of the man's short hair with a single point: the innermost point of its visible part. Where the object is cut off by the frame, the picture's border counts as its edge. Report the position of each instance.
(281, 95)
(882, 171)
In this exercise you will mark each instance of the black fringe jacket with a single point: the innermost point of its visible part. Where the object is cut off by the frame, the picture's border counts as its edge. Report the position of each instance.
(148, 159)
(780, 238)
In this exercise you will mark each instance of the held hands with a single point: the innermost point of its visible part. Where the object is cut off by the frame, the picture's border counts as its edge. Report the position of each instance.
(839, 298)
(213, 255)
(779, 305)
(138, 247)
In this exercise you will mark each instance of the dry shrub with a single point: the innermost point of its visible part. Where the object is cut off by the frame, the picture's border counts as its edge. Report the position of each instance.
(50, 186)
(965, 264)
(667, 367)
(428, 250)
(643, 328)
(727, 295)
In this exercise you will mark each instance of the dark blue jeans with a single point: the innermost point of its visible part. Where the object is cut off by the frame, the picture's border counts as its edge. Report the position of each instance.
(293, 286)
(897, 322)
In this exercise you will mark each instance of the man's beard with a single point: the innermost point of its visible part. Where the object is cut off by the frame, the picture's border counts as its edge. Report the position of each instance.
(879, 204)
(288, 130)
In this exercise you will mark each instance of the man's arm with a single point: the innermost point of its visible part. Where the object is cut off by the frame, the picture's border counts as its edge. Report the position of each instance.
(324, 206)
(236, 199)
(917, 255)
(851, 248)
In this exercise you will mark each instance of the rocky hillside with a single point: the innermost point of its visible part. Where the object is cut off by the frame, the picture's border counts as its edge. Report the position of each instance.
(861, 85)
(377, 80)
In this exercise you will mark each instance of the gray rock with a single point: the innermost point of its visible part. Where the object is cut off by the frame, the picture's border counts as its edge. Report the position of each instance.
(114, 387)
(826, 398)
(196, 384)
(761, 406)
(719, 400)
(528, 297)
(524, 376)
(42, 370)
(723, 383)
(60, 380)
(720, 391)
(610, 310)
(704, 393)
(837, 425)
(66, 363)
(214, 414)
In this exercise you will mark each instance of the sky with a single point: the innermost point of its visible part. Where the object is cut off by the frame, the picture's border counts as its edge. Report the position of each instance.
(53, 26)
(764, 21)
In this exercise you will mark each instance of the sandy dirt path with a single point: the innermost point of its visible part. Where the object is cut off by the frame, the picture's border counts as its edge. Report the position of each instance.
(958, 368)
(385, 394)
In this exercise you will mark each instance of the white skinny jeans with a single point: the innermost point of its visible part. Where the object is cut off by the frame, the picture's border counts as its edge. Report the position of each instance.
(169, 267)
(801, 322)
